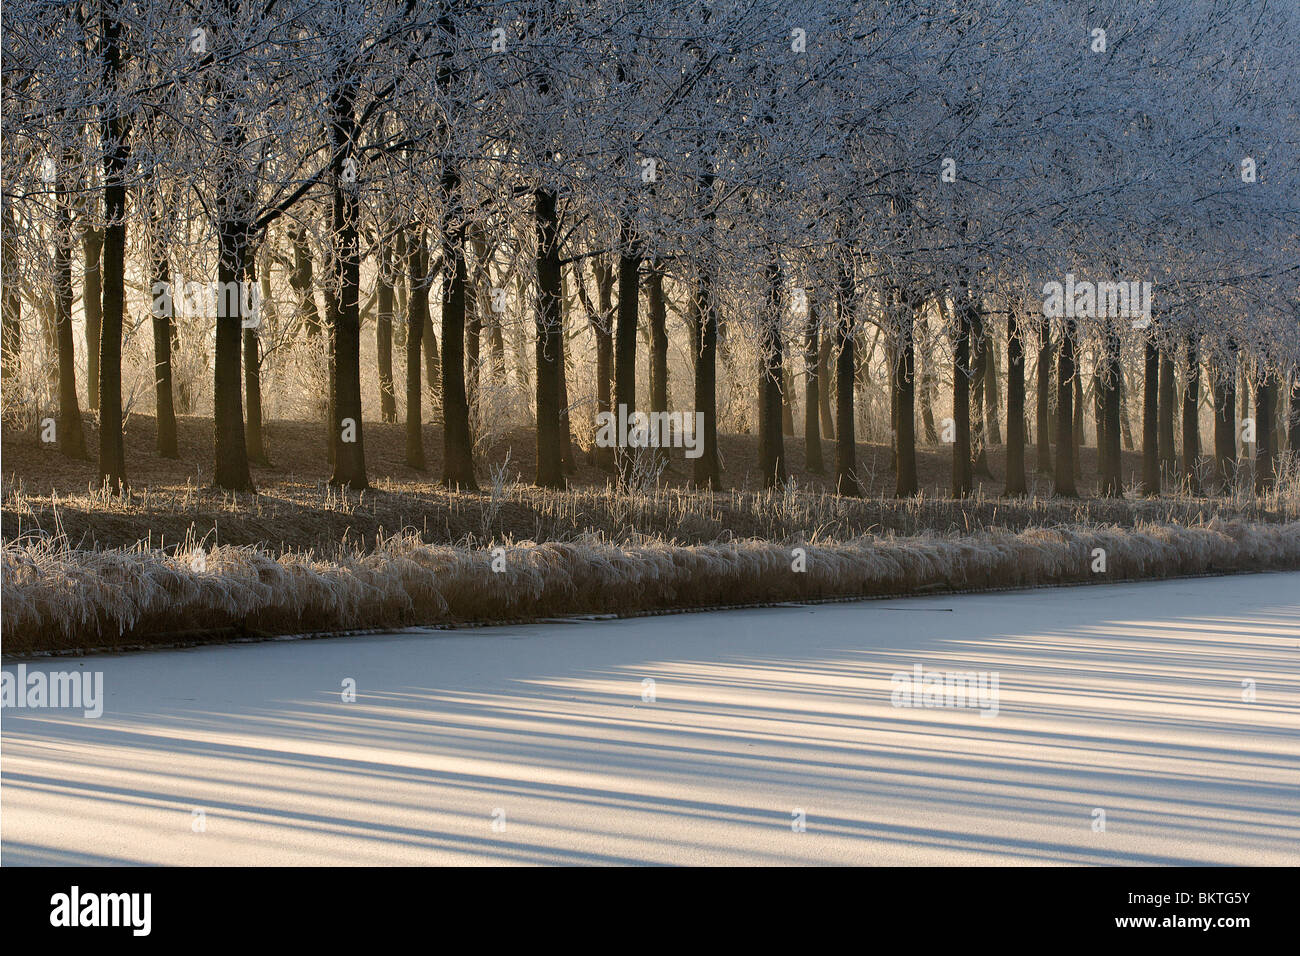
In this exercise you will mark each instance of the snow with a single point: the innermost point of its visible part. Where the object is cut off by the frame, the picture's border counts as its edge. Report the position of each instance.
(1122, 698)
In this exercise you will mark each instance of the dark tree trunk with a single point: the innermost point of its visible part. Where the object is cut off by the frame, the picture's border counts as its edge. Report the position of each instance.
(1076, 430)
(992, 399)
(163, 331)
(112, 453)
(1065, 441)
(846, 449)
(300, 280)
(787, 401)
(1112, 379)
(432, 358)
(384, 336)
(1150, 419)
(824, 376)
(1125, 428)
(708, 468)
(1225, 425)
(811, 396)
(979, 432)
(771, 441)
(92, 298)
(1293, 426)
(1099, 410)
(417, 316)
(1016, 484)
(549, 351)
(567, 459)
(629, 264)
(252, 375)
(904, 382)
(1265, 433)
(1191, 420)
(602, 325)
(457, 445)
(1168, 454)
(230, 452)
(72, 440)
(962, 479)
(1043, 413)
(927, 383)
(657, 314)
(349, 442)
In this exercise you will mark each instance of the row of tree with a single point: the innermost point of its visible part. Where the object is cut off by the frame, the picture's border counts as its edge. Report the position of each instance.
(784, 178)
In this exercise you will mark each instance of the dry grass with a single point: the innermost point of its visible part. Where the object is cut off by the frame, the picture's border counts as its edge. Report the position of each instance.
(45, 494)
(83, 569)
(56, 597)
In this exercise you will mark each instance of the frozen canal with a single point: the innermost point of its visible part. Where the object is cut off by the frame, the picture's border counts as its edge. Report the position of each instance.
(1109, 724)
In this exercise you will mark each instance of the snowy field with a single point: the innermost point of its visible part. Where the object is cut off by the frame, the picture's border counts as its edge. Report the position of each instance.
(767, 736)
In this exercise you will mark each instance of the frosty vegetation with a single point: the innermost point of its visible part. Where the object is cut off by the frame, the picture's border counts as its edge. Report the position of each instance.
(56, 597)
(1029, 228)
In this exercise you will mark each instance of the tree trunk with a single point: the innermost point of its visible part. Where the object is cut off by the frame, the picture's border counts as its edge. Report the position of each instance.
(348, 435)
(1108, 450)
(112, 454)
(629, 264)
(384, 336)
(927, 378)
(1043, 414)
(904, 382)
(252, 376)
(457, 445)
(72, 440)
(1150, 420)
(1016, 484)
(846, 449)
(962, 478)
(1265, 434)
(708, 466)
(771, 442)
(657, 314)
(824, 376)
(1293, 426)
(1126, 429)
(230, 451)
(417, 315)
(300, 280)
(1191, 420)
(979, 431)
(549, 351)
(1076, 430)
(1065, 441)
(92, 298)
(992, 398)
(1168, 454)
(602, 325)
(163, 312)
(787, 401)
(812, 441)
(1225, 425)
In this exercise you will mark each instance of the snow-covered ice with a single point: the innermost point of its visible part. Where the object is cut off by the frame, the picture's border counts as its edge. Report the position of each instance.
(541, 744)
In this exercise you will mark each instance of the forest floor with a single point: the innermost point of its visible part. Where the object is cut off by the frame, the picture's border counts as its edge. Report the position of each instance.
(171, 502)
